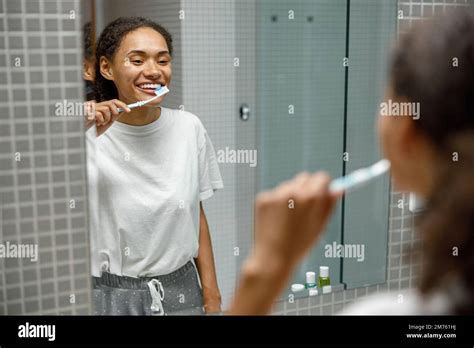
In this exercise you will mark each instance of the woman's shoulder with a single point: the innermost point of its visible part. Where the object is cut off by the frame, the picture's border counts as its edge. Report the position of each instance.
(186, 117)
(187, 122)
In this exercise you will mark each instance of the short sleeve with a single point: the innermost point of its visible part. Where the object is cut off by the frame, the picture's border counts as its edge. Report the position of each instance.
(210, 178)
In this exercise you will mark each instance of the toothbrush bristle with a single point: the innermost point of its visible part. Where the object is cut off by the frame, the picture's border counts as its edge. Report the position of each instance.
(161, 90)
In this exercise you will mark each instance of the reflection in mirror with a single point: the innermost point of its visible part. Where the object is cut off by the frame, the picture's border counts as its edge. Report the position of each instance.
(257, 93)
(151, 167)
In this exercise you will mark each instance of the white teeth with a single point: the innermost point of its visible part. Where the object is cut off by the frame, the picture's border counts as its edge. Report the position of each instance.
(148, 85)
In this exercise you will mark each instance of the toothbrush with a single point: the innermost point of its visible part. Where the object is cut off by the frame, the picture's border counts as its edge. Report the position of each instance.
(159, 91)
(359, 177)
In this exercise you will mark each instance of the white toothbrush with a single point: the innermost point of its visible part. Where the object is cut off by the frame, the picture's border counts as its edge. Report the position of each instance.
(159, 91)
(359, 177)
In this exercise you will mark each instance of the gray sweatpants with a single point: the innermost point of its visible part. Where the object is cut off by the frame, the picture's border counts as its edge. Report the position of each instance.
(176, 293)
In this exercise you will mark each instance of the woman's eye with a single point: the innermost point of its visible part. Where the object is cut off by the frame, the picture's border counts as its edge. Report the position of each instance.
(137, 61)
(163, 61)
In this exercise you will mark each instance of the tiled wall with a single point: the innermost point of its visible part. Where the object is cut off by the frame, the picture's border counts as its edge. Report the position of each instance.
(402, 272)
(42, 164)
(416, 10)
(210, 91)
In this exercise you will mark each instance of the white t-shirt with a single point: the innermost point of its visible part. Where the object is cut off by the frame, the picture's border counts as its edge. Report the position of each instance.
(145, 186)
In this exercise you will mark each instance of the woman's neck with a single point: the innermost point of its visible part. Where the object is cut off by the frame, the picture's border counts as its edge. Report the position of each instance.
(141, 116)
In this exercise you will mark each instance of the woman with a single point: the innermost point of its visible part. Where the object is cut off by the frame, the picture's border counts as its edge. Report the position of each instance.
(433, 156)
(150, 168)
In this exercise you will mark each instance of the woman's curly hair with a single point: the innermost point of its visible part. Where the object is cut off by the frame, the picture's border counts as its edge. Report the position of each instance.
(108, 44)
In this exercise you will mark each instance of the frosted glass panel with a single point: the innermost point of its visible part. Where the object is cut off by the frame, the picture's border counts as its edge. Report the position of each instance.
(301, 81)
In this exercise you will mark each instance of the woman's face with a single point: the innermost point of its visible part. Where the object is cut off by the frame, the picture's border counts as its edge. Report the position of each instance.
(141, 62)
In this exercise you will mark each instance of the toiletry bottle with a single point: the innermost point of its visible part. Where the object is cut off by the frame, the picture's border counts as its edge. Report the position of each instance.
(323, 279)
(310, 280)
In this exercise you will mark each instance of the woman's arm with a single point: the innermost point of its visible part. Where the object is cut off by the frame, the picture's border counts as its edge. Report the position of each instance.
(284, 233)
(207, 269)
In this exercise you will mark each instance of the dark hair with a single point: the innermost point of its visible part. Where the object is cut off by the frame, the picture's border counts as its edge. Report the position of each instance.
(88, 41)
(110, 40)
(88, 36)
(434, 65)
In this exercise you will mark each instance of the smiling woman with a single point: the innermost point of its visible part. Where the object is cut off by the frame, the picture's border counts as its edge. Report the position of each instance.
(149, 170)
(150, 42)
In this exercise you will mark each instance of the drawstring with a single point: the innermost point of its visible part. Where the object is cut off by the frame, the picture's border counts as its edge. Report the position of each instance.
(157, 296)
(104, 266)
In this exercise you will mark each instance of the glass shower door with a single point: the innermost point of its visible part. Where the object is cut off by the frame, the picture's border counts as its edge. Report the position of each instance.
(300, 101)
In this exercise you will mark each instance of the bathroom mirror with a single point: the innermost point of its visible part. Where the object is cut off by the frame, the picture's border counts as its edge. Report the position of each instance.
(321, 68)
(281, 87)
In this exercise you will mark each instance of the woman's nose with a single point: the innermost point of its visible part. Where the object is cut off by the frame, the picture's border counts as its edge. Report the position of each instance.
(152, 71)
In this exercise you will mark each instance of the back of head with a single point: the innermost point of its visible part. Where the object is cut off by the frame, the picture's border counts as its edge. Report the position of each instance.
(434, 66)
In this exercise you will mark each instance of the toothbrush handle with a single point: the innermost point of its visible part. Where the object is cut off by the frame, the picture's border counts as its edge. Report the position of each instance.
(138, 104)
(162, 91)
(130, 106)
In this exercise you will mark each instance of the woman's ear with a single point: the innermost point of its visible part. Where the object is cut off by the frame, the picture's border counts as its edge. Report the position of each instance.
(106, 68)
(88, 72)
(408, 136)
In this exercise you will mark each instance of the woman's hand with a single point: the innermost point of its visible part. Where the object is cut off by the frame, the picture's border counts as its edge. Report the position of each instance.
(290, 218)
(288, 222)
(212, 301)
(103, 114)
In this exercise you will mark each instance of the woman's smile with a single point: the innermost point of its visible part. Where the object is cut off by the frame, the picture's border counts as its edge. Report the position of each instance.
(148, 88)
